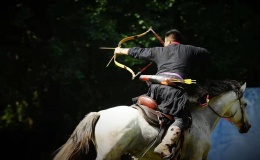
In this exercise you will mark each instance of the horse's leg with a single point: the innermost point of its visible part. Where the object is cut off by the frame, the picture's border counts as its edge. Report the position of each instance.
(206, 152)
(196, 143)
(104, 153)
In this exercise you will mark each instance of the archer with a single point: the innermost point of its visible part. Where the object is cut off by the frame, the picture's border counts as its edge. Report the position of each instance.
(173, 62)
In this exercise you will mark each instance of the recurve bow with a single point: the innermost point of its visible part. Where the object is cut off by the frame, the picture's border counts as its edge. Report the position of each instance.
(128, 39)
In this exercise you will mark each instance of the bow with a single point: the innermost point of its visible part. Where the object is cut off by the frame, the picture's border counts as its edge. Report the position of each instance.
(128, 39)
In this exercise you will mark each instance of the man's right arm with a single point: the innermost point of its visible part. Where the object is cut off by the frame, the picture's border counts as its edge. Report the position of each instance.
(202, 61)
(201, 54)
(201, 51)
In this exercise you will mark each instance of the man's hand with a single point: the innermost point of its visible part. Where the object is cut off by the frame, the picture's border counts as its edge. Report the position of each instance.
(119, 50)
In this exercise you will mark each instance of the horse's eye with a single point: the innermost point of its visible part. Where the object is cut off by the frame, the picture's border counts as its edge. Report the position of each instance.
(245, 104)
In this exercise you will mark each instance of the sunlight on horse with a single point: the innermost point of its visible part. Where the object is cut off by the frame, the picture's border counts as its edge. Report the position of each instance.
(111, 133)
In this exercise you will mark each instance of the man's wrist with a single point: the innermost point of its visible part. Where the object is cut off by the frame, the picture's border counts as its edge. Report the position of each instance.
(119, 50)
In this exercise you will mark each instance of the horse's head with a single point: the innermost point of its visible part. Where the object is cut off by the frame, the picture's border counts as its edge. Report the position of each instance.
(238, 111)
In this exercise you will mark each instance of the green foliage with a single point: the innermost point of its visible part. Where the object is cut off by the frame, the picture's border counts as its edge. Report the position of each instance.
(53, 73)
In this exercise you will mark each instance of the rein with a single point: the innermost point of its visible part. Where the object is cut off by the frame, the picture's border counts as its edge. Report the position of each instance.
(220, 115)
(242, 112)
(228, 117)
(207, 105)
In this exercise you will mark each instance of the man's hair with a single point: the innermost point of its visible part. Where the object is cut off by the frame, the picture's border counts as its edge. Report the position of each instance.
(174, 34)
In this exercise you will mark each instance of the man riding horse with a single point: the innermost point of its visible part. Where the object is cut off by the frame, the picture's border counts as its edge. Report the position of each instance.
(174, 60)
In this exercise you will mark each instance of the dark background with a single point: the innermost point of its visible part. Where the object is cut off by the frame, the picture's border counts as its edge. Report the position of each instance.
(52, 71)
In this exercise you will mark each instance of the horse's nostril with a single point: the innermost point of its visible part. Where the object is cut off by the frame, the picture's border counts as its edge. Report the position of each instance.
(245, 128)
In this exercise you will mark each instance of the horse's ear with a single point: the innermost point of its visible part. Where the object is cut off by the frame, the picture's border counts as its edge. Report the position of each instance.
(243, 87)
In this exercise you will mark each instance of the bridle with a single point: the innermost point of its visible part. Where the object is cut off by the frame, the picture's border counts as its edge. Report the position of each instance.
(242, 122)
(228, 118)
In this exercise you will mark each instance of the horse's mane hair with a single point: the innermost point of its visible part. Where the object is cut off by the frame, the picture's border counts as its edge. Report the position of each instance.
(212, 88)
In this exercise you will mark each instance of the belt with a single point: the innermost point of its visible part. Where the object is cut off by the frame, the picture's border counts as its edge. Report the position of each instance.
(171, 74)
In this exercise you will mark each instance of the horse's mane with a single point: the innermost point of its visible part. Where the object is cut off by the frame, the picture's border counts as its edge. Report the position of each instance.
(212, 88)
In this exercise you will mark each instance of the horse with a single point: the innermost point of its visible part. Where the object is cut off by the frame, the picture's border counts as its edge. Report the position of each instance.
(111, 133)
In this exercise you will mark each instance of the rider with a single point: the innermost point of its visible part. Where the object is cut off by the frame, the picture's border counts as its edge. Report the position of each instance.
(173, 60)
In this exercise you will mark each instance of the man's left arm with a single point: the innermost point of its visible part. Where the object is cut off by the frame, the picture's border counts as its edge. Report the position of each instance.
(119, 50)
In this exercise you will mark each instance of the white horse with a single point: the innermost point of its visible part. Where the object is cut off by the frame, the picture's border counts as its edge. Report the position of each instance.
(111, 133)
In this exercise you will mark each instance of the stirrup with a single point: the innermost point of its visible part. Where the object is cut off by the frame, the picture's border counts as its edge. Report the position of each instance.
(169, 157)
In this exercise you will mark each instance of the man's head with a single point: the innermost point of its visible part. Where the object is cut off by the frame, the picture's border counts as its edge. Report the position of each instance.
(172, 35)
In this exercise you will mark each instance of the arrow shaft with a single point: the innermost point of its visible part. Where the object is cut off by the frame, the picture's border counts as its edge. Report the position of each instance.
(106, 48)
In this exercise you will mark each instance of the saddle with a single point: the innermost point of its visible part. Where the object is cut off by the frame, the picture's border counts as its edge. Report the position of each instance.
(149, 110)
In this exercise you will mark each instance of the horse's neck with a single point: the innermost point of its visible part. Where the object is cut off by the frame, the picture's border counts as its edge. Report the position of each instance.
(206, 117)
(221, 104)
